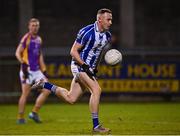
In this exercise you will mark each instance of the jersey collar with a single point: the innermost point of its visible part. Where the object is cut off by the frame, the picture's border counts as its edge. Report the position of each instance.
(96, 27)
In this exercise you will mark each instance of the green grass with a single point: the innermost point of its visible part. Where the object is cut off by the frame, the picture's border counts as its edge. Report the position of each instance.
(122, 118)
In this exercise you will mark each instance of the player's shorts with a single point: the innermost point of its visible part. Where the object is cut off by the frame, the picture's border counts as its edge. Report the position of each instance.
(75, 69)
(33, 77)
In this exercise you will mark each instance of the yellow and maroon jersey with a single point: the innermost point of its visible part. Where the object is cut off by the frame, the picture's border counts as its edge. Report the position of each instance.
(32, 50)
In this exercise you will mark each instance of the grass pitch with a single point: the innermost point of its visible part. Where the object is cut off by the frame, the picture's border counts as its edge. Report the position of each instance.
(122, 118)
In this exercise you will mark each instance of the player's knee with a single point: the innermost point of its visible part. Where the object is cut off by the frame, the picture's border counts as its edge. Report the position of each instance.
(24, 96)
(46, 92)
(71, 100)
(97, 91)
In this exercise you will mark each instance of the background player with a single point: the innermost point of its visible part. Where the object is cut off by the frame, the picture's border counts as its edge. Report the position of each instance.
(86, 53)
(33, 68)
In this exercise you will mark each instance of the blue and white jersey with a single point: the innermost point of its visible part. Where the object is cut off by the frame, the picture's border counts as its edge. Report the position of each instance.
(93, 42)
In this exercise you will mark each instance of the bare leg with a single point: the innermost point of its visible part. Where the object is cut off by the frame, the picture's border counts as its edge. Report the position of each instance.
(72, 95)
(40, 100)
(95, 90)
(76, 90)
(23, 99)
(94, 101)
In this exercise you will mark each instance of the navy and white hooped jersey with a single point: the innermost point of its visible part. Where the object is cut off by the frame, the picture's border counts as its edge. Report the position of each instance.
(93, 43)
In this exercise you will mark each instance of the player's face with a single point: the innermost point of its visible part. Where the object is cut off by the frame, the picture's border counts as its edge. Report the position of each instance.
(34, 27)
(106, 21)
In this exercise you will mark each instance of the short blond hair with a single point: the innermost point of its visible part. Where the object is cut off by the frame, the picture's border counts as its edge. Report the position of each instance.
(33, 20)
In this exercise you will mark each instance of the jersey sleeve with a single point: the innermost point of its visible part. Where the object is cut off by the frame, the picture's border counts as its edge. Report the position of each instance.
(23, 41)
(81, 37)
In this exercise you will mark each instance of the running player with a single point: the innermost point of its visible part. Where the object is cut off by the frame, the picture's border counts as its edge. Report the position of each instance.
(86, 53)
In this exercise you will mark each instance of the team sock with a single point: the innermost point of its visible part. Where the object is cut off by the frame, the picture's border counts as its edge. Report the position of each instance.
(50, 87)
(20, 116)
(95, 120)
(35, 109)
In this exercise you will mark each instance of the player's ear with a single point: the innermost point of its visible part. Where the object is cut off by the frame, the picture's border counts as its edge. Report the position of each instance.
(99, 18)
(29, 26)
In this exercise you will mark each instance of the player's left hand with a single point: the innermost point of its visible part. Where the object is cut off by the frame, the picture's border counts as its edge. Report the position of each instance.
(24, 68)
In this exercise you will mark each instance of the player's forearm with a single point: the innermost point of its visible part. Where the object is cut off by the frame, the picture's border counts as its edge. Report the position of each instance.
(42, 66)
(42, 63)
(19, 57)
(76, 56)
(18, 54)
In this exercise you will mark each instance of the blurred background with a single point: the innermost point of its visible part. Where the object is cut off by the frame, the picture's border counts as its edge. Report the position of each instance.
(145, 31)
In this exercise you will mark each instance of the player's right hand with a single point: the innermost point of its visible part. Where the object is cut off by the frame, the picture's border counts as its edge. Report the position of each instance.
(24, 68)
(89, 71)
